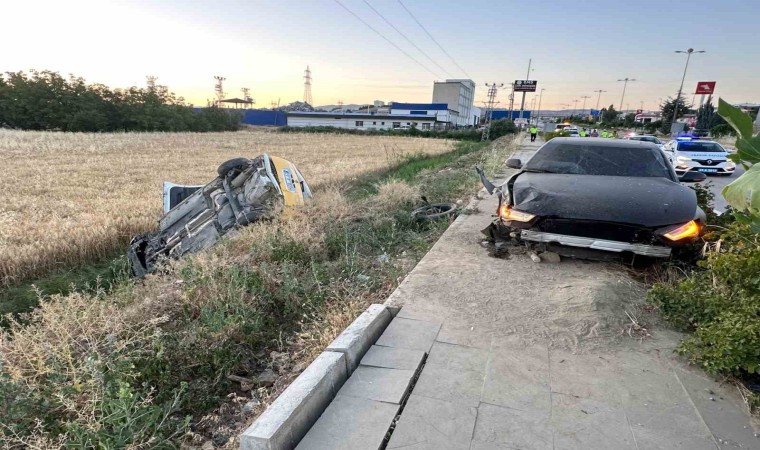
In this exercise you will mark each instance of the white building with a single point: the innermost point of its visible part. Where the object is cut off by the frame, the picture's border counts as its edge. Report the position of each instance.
(362, 121)
(444, 116)
(459, 95)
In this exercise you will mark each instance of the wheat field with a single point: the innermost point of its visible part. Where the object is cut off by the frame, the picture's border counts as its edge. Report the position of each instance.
(73, 198)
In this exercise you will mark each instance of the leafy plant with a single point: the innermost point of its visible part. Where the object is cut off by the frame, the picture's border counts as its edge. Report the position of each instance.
(744, 193)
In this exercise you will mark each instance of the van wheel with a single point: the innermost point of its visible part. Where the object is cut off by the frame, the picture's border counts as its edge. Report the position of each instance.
(233, 163)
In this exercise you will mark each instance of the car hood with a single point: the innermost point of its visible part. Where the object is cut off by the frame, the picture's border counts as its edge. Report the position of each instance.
(645, 201)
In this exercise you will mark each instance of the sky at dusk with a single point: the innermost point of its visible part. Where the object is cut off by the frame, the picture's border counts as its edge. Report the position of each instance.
(576, 47)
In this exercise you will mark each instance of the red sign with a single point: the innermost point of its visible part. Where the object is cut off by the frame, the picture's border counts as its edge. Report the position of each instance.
(705, 87)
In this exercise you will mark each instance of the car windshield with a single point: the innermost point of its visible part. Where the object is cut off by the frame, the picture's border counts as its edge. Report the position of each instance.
(599, 160)
(696, 146)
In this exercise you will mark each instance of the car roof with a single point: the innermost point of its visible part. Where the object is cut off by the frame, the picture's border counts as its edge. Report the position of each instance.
(601, 142)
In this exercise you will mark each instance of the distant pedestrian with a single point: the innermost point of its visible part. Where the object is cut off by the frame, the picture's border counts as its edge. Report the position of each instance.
(604, 133)
(533, 133)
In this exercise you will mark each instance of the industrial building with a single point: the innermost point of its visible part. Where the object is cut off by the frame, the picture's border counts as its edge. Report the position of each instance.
(459, 95)
(363, 121)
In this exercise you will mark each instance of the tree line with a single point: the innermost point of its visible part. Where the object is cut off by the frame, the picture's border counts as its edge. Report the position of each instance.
(44, 100)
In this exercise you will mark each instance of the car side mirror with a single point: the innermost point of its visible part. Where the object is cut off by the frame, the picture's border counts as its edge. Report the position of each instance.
(514, 163)
(692, 177)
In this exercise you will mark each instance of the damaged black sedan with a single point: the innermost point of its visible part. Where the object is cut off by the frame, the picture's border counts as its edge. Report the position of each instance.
(587, 198)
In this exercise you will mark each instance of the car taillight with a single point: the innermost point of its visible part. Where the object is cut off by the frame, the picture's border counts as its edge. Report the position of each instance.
(687, 230)
(507, 213)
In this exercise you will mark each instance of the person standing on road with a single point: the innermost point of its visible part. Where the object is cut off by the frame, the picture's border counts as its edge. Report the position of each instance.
(582, 133)
(604, 133)
(533, 133)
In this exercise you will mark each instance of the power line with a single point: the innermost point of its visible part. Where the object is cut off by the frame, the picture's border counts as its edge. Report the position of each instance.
(387, 40)
(433, 39)
(407, 39)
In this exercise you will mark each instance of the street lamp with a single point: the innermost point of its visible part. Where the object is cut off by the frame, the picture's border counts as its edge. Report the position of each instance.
(540, 96)
(584, 97)
(599, 97)
(680, 89)
(625, 80)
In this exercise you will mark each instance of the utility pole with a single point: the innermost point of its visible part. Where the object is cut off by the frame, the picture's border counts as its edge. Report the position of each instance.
(598, 97)
(678, 98)
(584, 97)
(492, 90)
(625, 84)
(512, 103)
(575, 106)
(540, 97)
(522, 104)
(151, 82)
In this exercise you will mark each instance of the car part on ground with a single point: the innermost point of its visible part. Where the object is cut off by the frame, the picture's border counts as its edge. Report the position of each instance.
(435, 211)
(246, 190)
(605, 197)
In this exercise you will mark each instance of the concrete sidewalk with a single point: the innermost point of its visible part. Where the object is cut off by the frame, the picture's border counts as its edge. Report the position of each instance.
(542, 356)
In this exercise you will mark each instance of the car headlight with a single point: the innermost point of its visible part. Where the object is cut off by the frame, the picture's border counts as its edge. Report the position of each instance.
(683, 159)
(507, 213)
(688, 230)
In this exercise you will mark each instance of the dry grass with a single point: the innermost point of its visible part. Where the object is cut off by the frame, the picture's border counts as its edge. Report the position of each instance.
(68, 199)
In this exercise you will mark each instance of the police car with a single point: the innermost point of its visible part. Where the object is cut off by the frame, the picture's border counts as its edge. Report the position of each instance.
(687, 153)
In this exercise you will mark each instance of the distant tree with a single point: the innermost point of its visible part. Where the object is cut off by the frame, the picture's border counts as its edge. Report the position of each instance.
(629, 120)
(609, 115)
(667, 110)
(501, 127)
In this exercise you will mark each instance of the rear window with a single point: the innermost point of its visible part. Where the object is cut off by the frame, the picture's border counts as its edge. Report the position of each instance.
(651, 139)
(599, 160)
(696, 146)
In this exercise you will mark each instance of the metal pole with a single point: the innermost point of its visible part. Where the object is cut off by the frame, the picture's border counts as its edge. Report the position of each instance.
(599, 97)
(680, 89)
(540, 96)
(584, 104)
(625, 84)
(522, 104)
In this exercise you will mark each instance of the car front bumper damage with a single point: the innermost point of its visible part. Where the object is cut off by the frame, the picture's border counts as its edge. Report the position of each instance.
(595, 243)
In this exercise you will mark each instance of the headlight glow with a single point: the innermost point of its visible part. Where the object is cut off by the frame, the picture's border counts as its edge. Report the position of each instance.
(683, 159)
(687, 230)
(507, 213)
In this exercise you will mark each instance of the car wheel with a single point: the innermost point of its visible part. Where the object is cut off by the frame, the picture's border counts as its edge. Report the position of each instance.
(233, 163)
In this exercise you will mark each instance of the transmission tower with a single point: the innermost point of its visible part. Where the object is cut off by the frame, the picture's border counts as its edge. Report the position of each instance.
(246, 93)
(340, 105)
(492, 90)
(307, 85)
(151, 82)
(219, 88)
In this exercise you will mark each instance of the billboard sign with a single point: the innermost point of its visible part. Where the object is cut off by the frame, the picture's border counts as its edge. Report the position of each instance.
(705, 87)
(595, 112)
(525, 85)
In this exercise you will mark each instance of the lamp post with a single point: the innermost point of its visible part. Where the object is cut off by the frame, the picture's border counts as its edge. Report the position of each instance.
(598, 97)
(625, 84)
(680, 89)
(540, 96)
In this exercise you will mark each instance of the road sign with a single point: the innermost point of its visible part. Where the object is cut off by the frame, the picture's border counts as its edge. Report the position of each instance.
(521, 121)
(525, 85)
(595, 112)
(705, 87)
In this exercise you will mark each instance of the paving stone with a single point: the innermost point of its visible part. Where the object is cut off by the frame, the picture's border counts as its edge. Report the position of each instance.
(350, 423)
(460, 387)
(587, 376)
(358, 337)
(428, 423)
(458, 357)
(588, 424)
(464, 335)
(408, 333)
(517, 377)
(499, 427)
(393, 358)
(377, 383)
(676, 427)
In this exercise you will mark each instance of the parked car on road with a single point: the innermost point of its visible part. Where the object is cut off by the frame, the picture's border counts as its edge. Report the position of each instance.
(704, 156)
(578, 197)
(647, 138)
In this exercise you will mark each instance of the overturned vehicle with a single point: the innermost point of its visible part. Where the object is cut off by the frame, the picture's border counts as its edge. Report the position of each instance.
(597, 199)
(245, 191)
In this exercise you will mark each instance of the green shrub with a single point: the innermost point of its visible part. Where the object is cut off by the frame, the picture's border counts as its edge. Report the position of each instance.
(501, 127)
(720, 302)
(722, 130)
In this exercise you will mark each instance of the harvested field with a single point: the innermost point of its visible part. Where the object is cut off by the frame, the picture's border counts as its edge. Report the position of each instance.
(72, 198)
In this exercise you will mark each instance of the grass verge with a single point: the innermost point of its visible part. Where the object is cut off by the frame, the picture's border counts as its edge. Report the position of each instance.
(193, 354)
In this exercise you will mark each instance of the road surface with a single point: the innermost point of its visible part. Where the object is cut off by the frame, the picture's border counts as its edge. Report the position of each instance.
(718, 182)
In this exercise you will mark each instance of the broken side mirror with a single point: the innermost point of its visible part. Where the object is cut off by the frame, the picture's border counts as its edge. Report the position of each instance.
(692, 177)
(514, 163)
(485, 181)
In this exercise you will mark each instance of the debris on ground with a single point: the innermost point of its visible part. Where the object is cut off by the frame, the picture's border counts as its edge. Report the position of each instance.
(550, 257)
